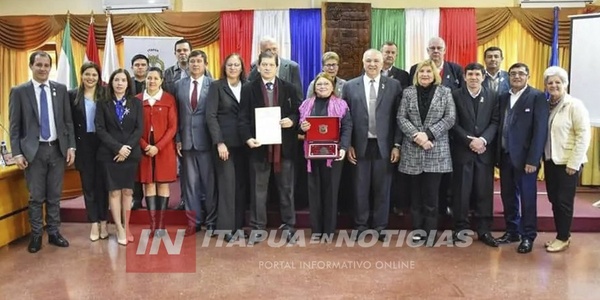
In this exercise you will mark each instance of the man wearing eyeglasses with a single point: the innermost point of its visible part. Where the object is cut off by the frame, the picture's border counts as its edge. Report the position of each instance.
(522, 134)
(288, 70)
(451, 73)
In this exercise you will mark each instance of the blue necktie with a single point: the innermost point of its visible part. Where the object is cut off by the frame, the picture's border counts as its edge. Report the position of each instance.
(269, 86)
(44, 116)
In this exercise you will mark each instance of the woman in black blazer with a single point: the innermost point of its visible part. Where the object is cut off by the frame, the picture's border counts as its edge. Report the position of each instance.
(119, 125)
(231, 163)
(83, 109)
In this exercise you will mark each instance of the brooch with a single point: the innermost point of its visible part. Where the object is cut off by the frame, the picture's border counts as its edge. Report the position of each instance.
(53, 92)
(126, 112)
(383, 86)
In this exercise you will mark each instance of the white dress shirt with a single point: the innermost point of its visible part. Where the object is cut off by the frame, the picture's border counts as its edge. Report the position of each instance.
(49, 95)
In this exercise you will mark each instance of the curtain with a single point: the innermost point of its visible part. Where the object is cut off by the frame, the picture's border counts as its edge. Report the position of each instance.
(421, 25)
(389, 25)
(214, 58)
(236, 35)
(10, 76)
(273, 23)
(305, 36)
(28, 32)
(458, 28)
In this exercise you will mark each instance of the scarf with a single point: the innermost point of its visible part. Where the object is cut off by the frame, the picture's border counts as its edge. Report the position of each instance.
(336, 108)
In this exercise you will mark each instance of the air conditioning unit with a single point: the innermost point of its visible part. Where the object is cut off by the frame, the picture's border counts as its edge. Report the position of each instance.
(136, 6)
(554, 3)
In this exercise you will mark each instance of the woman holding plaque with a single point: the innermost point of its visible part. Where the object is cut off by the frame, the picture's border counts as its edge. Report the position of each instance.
(324, 174)
(119, 125)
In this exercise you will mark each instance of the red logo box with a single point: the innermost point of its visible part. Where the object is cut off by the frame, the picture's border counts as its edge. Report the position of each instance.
(165, 251)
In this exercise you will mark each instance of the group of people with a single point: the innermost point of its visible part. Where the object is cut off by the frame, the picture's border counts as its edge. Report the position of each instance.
(436, 132)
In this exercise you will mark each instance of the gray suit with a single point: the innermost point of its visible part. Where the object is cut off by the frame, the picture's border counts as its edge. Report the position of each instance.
(198, 175)
(373, 169)
(46, 160)
(288, 71)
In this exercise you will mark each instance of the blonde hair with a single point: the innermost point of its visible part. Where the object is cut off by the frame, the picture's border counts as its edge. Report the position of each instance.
(437, 79)
(330, 55)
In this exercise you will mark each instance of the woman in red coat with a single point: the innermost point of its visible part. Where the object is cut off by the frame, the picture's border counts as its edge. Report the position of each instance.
(158, 166)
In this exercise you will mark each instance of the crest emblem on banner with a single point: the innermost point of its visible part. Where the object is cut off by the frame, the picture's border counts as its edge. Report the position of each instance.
(154, 59)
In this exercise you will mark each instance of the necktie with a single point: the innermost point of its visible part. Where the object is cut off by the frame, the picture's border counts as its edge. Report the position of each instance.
(44, 116)
(269, 86)
(195, 95)
(372, 106)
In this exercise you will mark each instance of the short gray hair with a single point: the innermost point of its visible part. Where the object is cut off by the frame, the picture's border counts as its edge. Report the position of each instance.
(267, 39)
(437, 39)
(557, 71)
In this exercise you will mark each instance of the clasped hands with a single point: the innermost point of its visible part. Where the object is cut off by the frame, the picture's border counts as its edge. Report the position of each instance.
(421, 139)
(123, 153)
(477, 145)
(151, 150)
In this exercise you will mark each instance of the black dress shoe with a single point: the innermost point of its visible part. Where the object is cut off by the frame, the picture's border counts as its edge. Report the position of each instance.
(382, 236)
(488, 239)
(526, 246)
(229, 237)
(180, 206)
(508, 238)
(210, 229)
(35, 244)
(58, 240)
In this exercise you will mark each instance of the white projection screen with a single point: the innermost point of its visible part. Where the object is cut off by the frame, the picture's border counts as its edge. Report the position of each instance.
(584, 76)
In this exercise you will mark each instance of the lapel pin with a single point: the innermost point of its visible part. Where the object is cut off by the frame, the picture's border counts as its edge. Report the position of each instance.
(53, 92)
(126, 112)
(382, 86)
(481, 101)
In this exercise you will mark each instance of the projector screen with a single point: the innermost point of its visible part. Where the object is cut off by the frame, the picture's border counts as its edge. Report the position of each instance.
(585, 63)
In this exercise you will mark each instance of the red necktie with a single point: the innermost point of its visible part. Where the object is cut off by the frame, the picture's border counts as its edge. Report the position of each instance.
(195, 95)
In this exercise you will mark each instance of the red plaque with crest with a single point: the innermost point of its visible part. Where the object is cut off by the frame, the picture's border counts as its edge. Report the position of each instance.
(323, 137)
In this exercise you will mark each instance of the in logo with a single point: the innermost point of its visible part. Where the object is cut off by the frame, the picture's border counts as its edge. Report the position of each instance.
(167, 249)
(323, 129)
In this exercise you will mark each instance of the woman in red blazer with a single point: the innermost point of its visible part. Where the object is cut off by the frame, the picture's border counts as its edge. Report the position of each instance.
(158, 166)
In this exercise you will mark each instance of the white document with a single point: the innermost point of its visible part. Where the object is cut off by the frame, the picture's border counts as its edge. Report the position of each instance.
(268, 130)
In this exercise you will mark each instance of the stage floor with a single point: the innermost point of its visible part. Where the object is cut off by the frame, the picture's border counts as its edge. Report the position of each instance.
(586, 217)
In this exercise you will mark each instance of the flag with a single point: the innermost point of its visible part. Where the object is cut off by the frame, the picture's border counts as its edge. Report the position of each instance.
(66, 68)
(111, 62)
(554, 52)
(91, 49)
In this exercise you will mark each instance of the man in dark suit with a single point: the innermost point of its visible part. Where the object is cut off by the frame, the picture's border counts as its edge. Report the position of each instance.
(451, 73)
(523, 128)
(288, 70)
(389, 51)
(473, 153)
(495, 79)
(270, 91)
(373, 100)
(42, 140)
(139, 65)
(452, 77)
(194, 145)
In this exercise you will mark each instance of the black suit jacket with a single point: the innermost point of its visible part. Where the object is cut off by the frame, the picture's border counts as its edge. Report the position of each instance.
(24, 119)
(222, 110)
(453, 75)
(483, 124)
(402, 76)
(252, 97)
(114, 135)
(84, 153)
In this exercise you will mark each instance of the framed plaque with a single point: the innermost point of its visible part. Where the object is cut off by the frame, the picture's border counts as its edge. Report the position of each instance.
(323, 137)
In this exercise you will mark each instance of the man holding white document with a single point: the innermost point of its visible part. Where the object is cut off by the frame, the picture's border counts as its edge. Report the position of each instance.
(268, 123)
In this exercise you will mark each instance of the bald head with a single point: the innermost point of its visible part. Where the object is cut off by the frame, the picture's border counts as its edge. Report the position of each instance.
(372, 62)
(436, 50)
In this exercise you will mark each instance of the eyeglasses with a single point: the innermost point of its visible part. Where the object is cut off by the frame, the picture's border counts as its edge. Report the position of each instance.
(331, 66)
(519, 74)
(433, 48)
(233, 65)
(323, 84)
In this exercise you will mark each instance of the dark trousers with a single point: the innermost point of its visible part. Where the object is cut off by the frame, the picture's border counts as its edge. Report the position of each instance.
(323, 187)
(138, 191)
(561, 193)
(44, 177)
(400, 190)
(260, 175)
(424, 203)
(373, 173)
(91, 173)
(516, 188)
(198, 182)
(445, 193)
(473, 182)
(232, 183)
